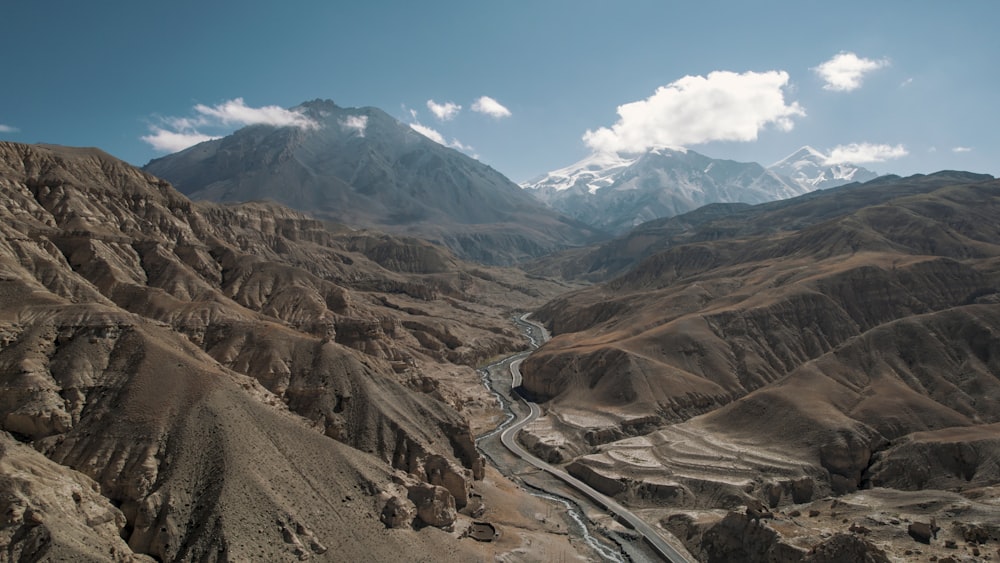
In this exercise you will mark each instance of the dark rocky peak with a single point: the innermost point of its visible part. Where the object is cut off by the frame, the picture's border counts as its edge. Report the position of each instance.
(316, 108)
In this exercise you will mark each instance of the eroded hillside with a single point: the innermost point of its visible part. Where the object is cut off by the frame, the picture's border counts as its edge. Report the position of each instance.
(232, 382)
(851, 343)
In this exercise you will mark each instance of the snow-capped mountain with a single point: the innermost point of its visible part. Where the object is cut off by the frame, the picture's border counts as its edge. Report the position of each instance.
(807, 167)
(617, 192)
(597, 171)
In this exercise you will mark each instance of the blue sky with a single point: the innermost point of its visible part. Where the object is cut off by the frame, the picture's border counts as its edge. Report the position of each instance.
(914, 88)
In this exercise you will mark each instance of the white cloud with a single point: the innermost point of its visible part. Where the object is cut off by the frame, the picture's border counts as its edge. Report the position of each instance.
(173, 134)
(456, 144)
(356, 122)
(446, 111)
(438, 138)
(724, 106)
(906, 83)
(8, 129)
(236, 112)
(845, 71)
(429, 133)
(490, 107)
(962, 149)
(173, 141)
(860, 153)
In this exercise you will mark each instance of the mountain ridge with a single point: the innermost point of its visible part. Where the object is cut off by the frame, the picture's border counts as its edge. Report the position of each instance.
(361, 167)
(615, 257)
(620, 191)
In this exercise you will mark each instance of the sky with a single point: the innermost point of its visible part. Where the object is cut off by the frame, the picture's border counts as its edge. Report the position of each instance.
(899, 86)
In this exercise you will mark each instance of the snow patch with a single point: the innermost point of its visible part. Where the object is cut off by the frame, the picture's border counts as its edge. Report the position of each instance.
(806, 167)
(594, 172)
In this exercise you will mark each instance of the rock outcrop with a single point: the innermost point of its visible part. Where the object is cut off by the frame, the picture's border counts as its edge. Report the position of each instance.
(846, 547)
(738, 537)
(743, 537)
(51, 512)
(435, 505)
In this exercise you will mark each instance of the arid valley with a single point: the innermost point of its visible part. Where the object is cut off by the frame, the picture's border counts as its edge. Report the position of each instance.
(544, 282)
(810, 379)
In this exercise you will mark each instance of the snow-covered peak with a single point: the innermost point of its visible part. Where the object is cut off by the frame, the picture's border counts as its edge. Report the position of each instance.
(807, 167)
(591, 174)
(668, 151)
(618, 191)
(805, 156)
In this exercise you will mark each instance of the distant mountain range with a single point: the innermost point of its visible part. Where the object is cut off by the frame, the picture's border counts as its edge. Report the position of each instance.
(617, 192)
(363, 168)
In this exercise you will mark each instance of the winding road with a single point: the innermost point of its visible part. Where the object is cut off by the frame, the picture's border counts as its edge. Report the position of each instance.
(654, 537)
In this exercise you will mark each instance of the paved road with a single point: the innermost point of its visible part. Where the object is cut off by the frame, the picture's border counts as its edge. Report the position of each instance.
(509, 439)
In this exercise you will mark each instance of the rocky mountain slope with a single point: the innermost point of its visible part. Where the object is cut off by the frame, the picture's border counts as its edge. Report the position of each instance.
(619, 192)
(838, 343)
(361, 167)
(213, 382)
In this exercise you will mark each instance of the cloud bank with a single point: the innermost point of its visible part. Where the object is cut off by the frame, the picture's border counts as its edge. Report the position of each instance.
(8, 129)
(173, 134)
(723, 106)
(860, 153)
(357, 123)
(430, 133)
(446, 111)
(236, 112)
(488, 106)
(961, 149)
(845, 71)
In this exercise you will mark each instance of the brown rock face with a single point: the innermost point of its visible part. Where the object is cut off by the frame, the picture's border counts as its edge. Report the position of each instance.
(846, 547)
(921, 532)
(51, 512)
(739, 538)
(941, 459)
(398, 512)
(608, 485)
(435, 505)
(443, 473)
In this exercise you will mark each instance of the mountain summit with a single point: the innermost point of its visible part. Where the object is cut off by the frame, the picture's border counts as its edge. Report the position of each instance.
(618, 192)
(808, 168)
(363, 168)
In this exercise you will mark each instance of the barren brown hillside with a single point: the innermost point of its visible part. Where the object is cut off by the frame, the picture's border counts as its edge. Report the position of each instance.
(233, 382)
(829, 351)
